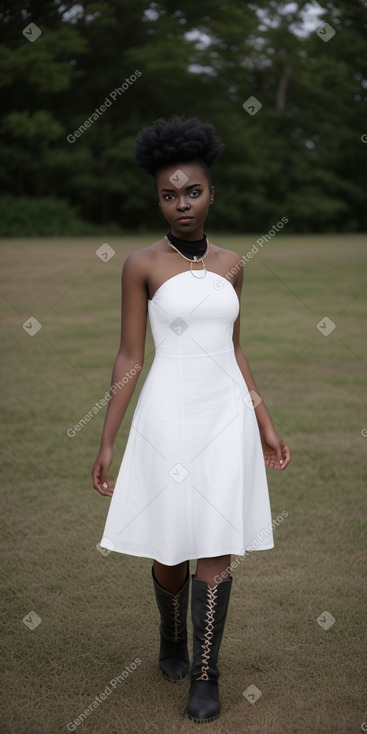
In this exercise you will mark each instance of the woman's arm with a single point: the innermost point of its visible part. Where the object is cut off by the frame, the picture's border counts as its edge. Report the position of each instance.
(129, 360)
(262, 414)
(276, 451)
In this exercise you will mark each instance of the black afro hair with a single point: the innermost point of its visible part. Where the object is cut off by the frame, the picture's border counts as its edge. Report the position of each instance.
(179, 139)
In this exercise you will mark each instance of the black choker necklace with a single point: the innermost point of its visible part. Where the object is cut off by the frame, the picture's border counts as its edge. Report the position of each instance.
(189, 248)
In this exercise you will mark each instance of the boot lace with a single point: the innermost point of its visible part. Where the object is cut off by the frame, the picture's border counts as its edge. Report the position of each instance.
(208, 634)
(176, 618)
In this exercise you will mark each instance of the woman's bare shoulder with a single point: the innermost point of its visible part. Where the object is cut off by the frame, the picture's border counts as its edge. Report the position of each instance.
(229, 258)
(140, 260)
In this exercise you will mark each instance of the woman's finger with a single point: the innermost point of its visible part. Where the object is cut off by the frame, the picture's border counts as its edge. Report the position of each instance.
(286, 454)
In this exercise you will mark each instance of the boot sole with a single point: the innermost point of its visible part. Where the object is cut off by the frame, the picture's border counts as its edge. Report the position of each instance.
(203, 721)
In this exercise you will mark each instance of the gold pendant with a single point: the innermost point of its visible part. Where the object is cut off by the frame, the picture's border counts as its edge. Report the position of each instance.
(203, 271)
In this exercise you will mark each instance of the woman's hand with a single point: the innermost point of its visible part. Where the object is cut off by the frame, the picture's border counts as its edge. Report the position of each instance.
(276, 452)
(99, 472)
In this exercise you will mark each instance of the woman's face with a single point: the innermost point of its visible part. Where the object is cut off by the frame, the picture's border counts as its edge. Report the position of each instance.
(184, 198)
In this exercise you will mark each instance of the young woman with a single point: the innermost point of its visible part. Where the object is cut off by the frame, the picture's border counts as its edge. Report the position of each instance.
(192, 483)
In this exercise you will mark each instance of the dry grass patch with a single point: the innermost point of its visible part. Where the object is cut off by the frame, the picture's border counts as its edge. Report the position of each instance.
(98, 613)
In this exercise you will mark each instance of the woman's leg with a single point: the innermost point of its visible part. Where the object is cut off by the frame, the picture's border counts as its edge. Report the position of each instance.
(210, 570)
(170, 578)
(213, 570)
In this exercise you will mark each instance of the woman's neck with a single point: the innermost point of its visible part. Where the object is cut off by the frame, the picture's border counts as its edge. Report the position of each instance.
(189, 248)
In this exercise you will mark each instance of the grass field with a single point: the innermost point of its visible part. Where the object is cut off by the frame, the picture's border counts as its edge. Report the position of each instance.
(98, 613)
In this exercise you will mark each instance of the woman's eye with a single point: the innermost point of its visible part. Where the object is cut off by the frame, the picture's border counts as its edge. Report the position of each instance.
(194, 194)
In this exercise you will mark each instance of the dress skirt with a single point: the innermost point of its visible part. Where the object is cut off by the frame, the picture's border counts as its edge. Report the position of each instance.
(192, 482)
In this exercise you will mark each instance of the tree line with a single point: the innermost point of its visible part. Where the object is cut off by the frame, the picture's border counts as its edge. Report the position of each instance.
(285, 85)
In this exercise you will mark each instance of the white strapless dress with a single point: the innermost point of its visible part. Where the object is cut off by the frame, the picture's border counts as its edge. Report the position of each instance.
(192, 482)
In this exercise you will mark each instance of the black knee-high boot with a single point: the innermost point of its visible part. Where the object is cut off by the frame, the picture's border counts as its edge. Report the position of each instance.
(209, 610)
(173, 654)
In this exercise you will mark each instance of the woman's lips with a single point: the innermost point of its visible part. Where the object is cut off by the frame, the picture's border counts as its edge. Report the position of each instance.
(185, 219)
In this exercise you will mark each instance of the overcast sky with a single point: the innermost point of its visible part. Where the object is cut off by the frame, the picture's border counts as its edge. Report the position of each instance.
(308, 19)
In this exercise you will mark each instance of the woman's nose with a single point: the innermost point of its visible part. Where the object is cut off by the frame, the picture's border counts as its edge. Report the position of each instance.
(182, 203)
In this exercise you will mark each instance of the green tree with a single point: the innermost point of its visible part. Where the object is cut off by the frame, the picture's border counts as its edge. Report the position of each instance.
(299, 156)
